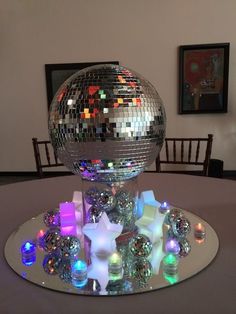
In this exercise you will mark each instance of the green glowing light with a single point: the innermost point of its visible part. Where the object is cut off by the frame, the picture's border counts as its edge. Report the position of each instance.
(170, 259)
(115, 258)
(115, 277)
(172, 279)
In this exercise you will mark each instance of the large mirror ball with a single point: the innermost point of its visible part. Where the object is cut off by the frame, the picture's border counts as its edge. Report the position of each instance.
(107, 123)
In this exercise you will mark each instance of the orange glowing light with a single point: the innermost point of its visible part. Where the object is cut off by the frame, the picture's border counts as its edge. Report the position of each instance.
(200, 241)
(40, 234)
(199, 227)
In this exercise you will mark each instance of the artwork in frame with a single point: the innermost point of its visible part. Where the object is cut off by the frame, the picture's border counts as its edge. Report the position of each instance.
(57, 73)
(203, 78)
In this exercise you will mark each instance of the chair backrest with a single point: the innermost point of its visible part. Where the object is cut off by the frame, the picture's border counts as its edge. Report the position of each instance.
(186, 151)
(45, 156)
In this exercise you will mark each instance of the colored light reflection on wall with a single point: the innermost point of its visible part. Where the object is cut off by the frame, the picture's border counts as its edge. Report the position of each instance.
(28, 253)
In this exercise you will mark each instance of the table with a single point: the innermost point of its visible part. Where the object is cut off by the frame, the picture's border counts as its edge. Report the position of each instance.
(211, 291)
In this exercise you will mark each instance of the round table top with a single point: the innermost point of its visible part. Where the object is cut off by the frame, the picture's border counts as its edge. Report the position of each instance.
(211, 291)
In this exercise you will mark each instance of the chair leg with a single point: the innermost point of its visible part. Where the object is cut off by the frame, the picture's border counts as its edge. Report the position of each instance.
(158, 166)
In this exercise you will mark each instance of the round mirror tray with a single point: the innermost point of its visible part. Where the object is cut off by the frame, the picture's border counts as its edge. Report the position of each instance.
(161, 268)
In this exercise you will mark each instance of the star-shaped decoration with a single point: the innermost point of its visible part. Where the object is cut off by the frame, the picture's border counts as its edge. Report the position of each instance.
(150, 224)
(98, 270)
(156, 256)
(146, 198)
(102, 235)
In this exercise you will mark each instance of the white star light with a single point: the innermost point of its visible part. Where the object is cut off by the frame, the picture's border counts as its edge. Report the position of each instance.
(99, 270)
(102, 235)
(156, 256)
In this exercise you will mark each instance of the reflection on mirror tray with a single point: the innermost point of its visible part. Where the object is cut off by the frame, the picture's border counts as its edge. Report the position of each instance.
(53, 251)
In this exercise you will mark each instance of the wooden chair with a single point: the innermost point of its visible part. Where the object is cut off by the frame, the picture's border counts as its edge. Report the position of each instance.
(45, 156)
(186, 151)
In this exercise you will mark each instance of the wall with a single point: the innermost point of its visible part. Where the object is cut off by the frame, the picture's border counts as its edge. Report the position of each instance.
(141, 34)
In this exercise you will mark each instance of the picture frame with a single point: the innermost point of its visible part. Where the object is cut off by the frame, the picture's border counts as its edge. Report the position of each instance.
(203, 78)
(57, 73)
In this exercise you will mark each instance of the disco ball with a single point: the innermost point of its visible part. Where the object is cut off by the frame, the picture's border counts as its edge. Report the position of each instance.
(107, 123)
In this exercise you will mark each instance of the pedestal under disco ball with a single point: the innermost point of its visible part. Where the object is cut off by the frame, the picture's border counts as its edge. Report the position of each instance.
(107, 123)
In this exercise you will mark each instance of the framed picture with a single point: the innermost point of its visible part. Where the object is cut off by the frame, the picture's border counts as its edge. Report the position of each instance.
(56, 74)
(203, 78)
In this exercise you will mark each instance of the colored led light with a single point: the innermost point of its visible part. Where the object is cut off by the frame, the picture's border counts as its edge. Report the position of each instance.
(170, 264)
(170, 259)
(28, 253)
(115, 264)
(199, 231)
(200, 241)
(172, 279)
(79, 274)
(29, 261)
(27, 248)
(164, 207)
(172, 246)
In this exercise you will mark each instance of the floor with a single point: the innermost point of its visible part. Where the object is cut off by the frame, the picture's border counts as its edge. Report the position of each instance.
(12, 179)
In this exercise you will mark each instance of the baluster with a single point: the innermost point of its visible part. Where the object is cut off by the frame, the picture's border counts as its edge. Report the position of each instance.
(47, 153)
(198, 149)
(189, 150)
(182, 150)
(55, 157)
(167, 151)
(174, 149)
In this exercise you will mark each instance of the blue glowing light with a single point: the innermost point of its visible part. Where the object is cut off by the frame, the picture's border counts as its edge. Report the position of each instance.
(29, 261)
(164, 207)
(79, 274)
(79, 283)
(28, 253)
(27, 248)
(79, 266)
